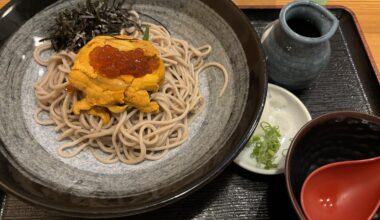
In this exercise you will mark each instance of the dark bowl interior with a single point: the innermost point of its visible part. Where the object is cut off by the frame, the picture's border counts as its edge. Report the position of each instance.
(333, 137)
(15, 182)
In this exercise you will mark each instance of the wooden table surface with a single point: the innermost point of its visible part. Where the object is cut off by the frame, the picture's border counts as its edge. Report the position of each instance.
(367, 13)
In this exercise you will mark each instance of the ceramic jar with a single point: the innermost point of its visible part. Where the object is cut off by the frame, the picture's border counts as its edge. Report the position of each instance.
(297, 44)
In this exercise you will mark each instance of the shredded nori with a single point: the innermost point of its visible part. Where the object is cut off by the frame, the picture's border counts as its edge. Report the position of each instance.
(75, 28)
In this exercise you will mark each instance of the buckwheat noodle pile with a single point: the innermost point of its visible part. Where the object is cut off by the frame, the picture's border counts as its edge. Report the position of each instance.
(132, 136)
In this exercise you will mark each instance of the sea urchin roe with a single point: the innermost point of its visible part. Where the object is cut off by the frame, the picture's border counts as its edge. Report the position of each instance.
(111, 62)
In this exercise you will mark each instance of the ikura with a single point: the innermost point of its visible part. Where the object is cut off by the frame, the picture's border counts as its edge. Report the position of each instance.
(112, 63)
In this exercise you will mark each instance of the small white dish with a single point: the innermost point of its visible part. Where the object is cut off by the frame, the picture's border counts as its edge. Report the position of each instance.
(282, 109)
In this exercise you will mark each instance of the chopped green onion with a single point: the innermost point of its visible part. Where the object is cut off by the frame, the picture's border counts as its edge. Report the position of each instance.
(266, 146)
(146, 33)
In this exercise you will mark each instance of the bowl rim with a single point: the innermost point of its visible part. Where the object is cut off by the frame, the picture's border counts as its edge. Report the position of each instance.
(304, 130)
(256, 64)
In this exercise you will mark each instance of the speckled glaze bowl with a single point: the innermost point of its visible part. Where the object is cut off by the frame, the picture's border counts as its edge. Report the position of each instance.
(330, 138)
(31, 169)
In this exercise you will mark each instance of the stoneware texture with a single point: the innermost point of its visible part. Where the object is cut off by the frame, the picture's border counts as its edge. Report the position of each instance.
(297, 44)
(83, 186)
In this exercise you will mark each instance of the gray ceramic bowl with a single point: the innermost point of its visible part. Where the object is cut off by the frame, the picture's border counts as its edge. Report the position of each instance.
(333, 137)
(31, 169)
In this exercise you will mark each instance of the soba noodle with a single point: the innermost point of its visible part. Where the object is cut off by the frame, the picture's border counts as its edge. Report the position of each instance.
(132, 136)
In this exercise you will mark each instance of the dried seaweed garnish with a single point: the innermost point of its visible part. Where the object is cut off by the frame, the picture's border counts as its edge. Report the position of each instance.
(75, 28)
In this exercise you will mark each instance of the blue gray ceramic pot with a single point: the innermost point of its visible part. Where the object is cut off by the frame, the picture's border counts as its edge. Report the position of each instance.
(297, 44)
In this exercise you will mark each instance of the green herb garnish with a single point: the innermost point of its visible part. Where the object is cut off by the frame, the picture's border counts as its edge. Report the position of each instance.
(76, 27)
(266, 146)
(146, 33)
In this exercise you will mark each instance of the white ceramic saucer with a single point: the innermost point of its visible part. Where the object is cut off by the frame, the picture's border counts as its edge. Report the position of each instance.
(282, 109)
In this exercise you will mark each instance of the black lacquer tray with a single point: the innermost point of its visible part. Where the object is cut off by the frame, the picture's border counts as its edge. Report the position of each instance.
(348, 83)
